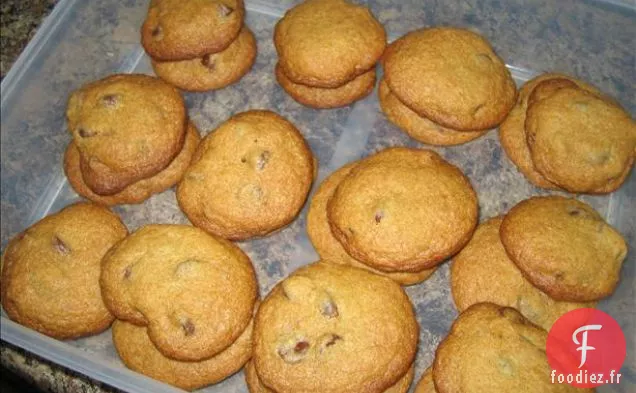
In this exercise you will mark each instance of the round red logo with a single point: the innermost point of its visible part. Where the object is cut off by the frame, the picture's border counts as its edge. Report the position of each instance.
(586, 348)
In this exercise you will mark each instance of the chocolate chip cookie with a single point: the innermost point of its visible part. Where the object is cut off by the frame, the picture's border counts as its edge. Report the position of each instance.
(328, 247)
(451, 76)
(251, 176)
(564, 247)
(330, 328)
(126, 128)
(181, 30)
(327, 43)
(483, 272)
(50, 272)
(579, 140)
(196, 293)
(403, 210)
(495, 349)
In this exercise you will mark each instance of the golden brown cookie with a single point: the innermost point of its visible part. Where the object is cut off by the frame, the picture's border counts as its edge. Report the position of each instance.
(50, 272)
(426, 384)
(138, 353)
(212, 71)
(494, 349)
(579, 140)
(330, 328)
(328, 247)
(451, 76)
(322, 98)
(403, 210)
(196, 293)
(141, 190)
(187, 29)
(564, 247)
(249, 177)
(419, 127)
(126, 128)
(483, 272)
(327, 43)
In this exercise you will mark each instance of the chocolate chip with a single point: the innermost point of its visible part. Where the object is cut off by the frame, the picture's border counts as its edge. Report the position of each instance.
(243, 160)
(110, 100)
(294, 353)
(329, 309)
(379, 215)
(60, 246)
(188, 326)
(84, 133)
(157, 32)
(574, 212)
(225, 10)
(208, 61)
(262, 160)
(328, 340)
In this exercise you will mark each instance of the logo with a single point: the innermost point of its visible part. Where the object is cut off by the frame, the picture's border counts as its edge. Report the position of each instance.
(586, 348)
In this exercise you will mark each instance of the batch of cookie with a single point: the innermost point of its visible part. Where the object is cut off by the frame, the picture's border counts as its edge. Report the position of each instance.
(183, 301)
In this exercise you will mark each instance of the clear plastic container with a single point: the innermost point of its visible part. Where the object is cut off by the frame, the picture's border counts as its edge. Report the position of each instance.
(83, 41)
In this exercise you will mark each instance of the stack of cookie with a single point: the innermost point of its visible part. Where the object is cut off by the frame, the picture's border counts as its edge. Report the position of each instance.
(546, 257)
(131, 139)
(399, 213)
(327, 52)
(494, 348)
(184, 301)
(250, 177)
(565, 134)
(332, 329)
(445, 86)
(198, 45)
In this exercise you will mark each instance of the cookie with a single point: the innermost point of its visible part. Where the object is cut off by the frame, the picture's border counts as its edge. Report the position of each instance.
(256, 386)
(426, 384)
(403, 210)
(327, 43)
(419, 127)
(580, 141)
(212, 71)
(196, 293)
(451, 76)
(50, 272)
(141, 190)
(126, 128)
(483, 272)
(323, 98)
(325, 243)
(251, 176)
(181, 30)
(331, 328)
(138, 353)
(495, 349)
(564, 247)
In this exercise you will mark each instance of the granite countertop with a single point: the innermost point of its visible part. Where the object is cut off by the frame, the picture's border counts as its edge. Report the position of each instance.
(19, 23)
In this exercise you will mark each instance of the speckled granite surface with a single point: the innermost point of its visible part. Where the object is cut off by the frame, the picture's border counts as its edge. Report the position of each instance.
(18, 24)
(101, 37)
